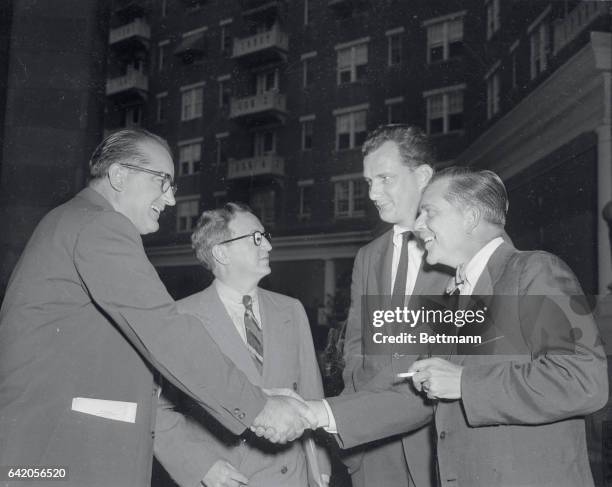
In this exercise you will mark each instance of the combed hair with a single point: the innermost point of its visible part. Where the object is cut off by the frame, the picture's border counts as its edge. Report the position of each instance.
(122, 146)
(213, 228)
(413, 143)
(483, 190)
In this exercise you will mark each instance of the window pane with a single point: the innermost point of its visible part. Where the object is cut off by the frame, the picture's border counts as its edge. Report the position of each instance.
(361, 54)
(455, 102)
(455, 30)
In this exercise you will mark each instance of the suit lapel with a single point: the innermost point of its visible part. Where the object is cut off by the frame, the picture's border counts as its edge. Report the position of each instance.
(493, 270)
(381, 262)
(217, 321)
(274, 319)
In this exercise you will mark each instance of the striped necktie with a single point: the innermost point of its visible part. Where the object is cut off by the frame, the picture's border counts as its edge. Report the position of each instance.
(398, 296)
(254, 334)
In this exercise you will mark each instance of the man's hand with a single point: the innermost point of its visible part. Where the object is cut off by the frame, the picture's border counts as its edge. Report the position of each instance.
(283, 419)
(224, 474)
(438, 378)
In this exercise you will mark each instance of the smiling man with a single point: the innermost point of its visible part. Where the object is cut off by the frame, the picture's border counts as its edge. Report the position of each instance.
(86, 322)
(267, 336)
(511, 412)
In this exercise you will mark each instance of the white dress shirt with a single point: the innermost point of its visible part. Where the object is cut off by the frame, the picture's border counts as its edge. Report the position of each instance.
(232, 301)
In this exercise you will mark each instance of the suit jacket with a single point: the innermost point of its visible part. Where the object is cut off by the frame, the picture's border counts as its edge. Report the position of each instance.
(385, 462)
(85, 315)
(520, 418)
(188, 445)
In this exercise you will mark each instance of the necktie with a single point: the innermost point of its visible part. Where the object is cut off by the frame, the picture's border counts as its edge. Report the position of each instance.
(254, 334)
(399, 287)
(456, 283)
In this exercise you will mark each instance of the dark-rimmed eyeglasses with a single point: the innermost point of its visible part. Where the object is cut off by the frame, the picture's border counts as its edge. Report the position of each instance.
(257, 237)
(167, 182)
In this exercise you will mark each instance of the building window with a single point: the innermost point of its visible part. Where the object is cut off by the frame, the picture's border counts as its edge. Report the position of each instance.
(493, 22)
(262, 203)
(221, 148)
(394, 46)
(395, 110)
(305, 203)
(350, 129)
(307, 68)
(226, 37)
(264, 143)
(539, 49)
(444, 110)
(190, 157)
(492, 94)
(132, 117)
(187, 213)
(352, 62)
(350, 198)
(266, 81)
(162, 106)
(191, 102)
(444, 37)
(225, 91)
(307, 131)
(162, 54)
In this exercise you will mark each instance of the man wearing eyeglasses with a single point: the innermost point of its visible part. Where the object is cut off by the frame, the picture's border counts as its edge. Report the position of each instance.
(86, 322)
(268, 337)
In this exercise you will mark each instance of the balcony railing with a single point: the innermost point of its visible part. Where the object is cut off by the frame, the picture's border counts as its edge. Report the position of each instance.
(133, 80)
(264, 102)
(137, 28)
(271, 39)
(256, 166)
(567, 29)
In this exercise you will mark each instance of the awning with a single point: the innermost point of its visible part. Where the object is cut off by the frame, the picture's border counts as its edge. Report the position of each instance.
(193, 44)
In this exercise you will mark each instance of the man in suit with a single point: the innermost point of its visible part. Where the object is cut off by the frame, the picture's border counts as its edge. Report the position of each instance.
(397, 166)
(508, 411)
(86, 321)
(266, 335)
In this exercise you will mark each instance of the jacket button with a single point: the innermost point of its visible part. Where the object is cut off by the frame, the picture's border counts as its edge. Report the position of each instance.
(241, 415)
(295, 386)
(443, 435)
(396, 356)
(236, 411)
(284, 469)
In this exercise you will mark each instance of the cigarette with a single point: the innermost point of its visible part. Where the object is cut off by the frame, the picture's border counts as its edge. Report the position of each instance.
(405, 374)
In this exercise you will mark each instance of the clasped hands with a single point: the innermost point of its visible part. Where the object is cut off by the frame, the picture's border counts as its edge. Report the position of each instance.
(286, 415)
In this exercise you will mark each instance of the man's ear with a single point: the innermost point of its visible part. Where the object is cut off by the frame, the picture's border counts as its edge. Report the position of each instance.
(424, 172)
(220, 254)
(471, 219)
(117, 176)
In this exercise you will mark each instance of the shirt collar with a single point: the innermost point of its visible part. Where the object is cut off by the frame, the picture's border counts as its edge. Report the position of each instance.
(474, 268)
(229, 294)
(397, 233)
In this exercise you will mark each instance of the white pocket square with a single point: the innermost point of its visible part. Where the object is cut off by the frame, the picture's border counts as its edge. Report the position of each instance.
(116, 410)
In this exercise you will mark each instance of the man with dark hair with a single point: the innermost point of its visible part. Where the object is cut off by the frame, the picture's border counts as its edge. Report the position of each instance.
(268, 337)
(397, 166)
(86, 321)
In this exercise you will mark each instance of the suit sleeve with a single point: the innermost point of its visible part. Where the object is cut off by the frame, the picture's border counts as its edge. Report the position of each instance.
(311, 386)
(353, 354)
(381, 409)
(114, 268)
(180, 447)
(567, 373)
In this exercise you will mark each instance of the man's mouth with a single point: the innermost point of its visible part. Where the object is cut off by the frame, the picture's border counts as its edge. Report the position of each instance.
(427, 241)
(157, 209)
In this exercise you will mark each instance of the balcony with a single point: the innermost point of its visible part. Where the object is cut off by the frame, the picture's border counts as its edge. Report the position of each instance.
(270, 106)
(265, 47)
(132, 84)
(136, 32)
(567, 29)
(271, 165)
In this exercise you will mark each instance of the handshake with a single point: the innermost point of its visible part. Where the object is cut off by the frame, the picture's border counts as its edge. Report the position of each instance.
(286, 415)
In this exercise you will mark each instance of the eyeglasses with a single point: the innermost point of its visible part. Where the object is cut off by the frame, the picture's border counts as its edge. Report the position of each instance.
(257, 237)
(166, 183)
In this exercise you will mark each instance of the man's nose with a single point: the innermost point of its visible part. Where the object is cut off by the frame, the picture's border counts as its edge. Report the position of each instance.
(266, 244)
(373, 192)
(168, 197)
